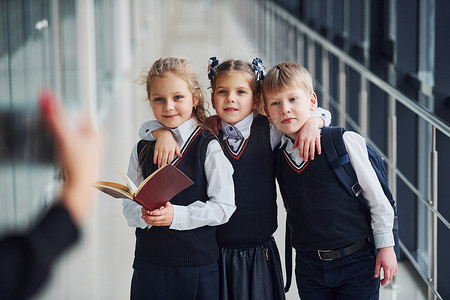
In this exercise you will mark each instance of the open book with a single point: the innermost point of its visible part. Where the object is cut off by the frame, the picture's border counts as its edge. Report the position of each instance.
(155, 191)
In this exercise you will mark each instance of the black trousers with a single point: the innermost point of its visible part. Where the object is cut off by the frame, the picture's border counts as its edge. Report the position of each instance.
(166, 282)
(346, 278)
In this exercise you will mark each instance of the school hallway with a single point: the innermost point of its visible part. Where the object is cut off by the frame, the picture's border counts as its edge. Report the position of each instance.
(100, 266)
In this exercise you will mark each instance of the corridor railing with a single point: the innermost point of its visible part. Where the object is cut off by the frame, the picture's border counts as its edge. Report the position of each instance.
(282, 37)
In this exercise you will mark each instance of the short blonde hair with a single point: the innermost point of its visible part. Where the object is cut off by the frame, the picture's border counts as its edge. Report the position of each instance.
(287, 75)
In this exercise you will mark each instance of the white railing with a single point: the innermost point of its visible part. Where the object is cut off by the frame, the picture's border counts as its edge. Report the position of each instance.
(282, 37)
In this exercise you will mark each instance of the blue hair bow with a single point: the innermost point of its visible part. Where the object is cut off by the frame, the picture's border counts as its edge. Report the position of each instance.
(258, 67)
(213, 62)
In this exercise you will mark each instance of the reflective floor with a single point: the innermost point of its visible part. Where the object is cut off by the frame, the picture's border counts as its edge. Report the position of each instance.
(101, 266)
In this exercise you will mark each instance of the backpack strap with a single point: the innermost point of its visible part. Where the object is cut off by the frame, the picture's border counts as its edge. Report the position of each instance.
(287, 246)
(288, 257)
(287, 238)
(337, 156)
(334, 148)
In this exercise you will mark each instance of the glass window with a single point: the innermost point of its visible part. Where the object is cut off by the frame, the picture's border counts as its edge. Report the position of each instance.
(37, 50)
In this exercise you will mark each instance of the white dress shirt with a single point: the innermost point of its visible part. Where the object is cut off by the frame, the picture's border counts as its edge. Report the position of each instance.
(244, 126)
(219, 175)
(381, 210)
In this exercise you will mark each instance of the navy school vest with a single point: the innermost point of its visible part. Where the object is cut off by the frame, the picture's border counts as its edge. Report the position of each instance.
(320, 213)
(163, 246)
(255, 218)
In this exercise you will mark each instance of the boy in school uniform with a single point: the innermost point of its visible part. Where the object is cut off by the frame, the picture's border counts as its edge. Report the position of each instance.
(335, 256)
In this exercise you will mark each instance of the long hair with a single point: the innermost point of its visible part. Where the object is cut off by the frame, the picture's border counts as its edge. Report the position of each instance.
(182, 69)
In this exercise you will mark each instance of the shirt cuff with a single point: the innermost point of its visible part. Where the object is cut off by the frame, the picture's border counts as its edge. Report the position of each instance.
(324, 118)
(145, 132)
(133, 214)
(383, 240)
(179, 217)
(322, 113)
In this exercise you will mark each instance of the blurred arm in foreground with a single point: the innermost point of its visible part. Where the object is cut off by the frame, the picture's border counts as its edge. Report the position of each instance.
(26, 259)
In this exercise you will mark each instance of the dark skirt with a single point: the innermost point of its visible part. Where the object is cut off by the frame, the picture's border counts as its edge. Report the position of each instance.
(251, 273)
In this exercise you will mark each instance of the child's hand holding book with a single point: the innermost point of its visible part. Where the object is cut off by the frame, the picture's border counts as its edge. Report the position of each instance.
(162, 216)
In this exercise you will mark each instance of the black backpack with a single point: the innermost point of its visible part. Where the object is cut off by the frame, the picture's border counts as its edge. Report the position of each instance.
(336, 154)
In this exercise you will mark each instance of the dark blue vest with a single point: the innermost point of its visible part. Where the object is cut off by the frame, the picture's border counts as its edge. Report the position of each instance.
(164, 246)
(320, 213)
(255, 218)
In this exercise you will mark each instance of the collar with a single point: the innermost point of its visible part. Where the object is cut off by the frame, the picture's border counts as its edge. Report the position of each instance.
(286, 140)
(184, 131)
(291, 152)
(242, 126)
(181, 133)
(290, 142)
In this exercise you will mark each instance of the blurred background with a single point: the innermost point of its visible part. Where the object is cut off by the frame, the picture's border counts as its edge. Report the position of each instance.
(379, 66)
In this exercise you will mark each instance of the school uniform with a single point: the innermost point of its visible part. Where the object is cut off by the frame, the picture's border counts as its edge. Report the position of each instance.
(322, 216)
(249, 261)
(180, 261)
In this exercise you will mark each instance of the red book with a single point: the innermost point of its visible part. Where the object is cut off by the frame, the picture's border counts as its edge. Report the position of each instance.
(155, 191)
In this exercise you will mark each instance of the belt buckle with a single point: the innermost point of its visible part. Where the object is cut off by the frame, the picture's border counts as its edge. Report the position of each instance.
(324, 251)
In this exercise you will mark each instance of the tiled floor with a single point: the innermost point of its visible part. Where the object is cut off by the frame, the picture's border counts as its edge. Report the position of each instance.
(100, 267)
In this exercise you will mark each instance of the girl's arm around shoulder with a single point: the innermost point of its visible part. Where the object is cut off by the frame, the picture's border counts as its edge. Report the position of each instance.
(145, 132)
(132, 210)
(275, 134)
(166, 146)
(220, 189)
(381, 210)
(324, 114)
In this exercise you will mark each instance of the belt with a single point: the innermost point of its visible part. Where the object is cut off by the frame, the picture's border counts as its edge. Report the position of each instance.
(329, 255)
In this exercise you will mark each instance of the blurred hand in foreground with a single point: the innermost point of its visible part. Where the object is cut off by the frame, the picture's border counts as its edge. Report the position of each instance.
(78, 151)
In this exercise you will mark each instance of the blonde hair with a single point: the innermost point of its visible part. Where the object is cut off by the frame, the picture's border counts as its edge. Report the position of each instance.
(184, 70)
(287, 75)
(235, 65)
